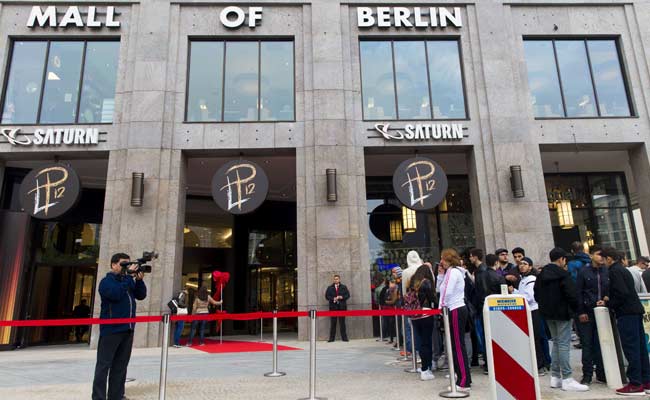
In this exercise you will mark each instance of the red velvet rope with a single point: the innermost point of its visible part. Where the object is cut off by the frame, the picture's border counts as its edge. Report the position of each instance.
(213, 317)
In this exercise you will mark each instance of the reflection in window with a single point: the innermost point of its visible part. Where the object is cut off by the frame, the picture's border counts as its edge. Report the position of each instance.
(590, 79)
(54, 95)
(98, 89)
(24, 85)
(427, 77)
(255, 79)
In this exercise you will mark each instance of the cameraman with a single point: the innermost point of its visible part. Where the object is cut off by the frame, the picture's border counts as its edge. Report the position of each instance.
(118, 290)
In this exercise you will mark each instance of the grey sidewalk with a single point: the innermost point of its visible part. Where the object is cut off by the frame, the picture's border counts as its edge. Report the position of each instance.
(360, 369)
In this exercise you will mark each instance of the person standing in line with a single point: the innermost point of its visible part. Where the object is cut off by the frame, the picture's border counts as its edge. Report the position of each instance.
(179, 307)
(413, 262)
(518, 254)
(421, 296)
(507, 269)
(81, 311)
(452, 296)
(643, 263)
(578, 260)
(337, 295)
(200, 307)
(480, 282)
(592, 285)
(637, 273)
(556, 295)
(627, 307)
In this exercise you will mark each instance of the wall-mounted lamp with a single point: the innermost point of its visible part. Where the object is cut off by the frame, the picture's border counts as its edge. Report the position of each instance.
(137, 189)
(331, 184)
(516, 183)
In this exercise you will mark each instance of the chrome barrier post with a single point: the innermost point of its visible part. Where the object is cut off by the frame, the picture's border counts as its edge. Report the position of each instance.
(381, 330)
(261, 329)
(396, 348)
(312, 358)
(163, 357)
(275, 373)
(220, 322)
(453, 393)
(414, 367)
(405, 357)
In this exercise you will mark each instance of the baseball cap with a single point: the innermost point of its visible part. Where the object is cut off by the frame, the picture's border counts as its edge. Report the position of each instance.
(499, 251)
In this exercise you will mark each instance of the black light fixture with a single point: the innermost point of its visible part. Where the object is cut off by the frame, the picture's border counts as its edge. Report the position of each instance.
(331, 184)
(516, 183)
(137, 189)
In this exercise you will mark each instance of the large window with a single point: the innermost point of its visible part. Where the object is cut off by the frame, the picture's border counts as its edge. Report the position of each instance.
(411, 80)
(240, 81)
(576, 78)
(61, 82)
(591, 209)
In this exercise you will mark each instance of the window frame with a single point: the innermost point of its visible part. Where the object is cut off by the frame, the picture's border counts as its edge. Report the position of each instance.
(224, 40)
(49, 40)
(425, 39)
(621, 62)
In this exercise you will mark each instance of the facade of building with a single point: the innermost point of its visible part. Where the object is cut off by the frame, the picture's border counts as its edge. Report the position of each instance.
(175, 90)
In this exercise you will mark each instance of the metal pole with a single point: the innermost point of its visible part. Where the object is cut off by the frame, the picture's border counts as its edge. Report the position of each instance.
(414, 368)
(405, 357)
(163, 357)
(453, 393)
(261, 329)
(381, 330)
(220, 322)
(312, 358)
(275, 372)
(396, 348)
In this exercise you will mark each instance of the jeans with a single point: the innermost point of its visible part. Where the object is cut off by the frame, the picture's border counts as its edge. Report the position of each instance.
(457, 324)
(630, 328)
(590, 348)
(537, 332)
(407, 328)
(113, 355)
(423, 328)
(178, 332)
(561, 332)
(201, 331)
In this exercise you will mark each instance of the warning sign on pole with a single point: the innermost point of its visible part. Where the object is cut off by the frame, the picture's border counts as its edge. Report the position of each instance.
(510, 346)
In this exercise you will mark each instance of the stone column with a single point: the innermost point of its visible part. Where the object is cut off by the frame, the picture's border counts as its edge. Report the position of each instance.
(640, 163)
(331, 234)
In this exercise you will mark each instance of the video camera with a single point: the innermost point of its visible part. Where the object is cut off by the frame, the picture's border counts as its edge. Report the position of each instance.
(141, 263)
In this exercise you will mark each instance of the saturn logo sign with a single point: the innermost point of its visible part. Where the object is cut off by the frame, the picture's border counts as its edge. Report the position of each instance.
(420, 132)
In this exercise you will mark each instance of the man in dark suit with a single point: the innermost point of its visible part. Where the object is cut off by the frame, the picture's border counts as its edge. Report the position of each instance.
(337, 294)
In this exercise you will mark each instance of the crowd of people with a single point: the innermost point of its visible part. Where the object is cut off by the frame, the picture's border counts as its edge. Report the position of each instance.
(561, 295)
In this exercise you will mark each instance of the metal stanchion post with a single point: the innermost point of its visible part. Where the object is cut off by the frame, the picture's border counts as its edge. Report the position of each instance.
(312, 358)
(163, 357)
(405, 357)
(275, 372)
(381, 330)
(396, 348)
(414, 368)
(220, 322)
(261, 329)
(453, 393)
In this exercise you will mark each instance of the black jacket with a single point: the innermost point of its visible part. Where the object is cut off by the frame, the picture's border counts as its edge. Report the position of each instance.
(330, 294)
(592, 284)
(488, 281)
(555, 293)
(623, 299)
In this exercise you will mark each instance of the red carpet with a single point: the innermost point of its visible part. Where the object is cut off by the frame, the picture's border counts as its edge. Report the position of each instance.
(235, 346)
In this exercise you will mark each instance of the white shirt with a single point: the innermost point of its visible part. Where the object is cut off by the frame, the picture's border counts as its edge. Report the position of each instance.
(452, 289)
(527, 289)
(636, 272)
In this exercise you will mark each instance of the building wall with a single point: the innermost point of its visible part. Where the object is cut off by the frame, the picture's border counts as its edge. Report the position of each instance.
(149, 134)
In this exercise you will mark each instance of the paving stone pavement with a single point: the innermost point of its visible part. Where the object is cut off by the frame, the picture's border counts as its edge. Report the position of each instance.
(360, 369)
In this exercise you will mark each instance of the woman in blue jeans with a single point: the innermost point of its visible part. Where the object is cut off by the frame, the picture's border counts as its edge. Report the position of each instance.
(421, 286)
(200, 307)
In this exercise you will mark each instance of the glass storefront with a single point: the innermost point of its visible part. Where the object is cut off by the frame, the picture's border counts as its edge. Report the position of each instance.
(592, 209)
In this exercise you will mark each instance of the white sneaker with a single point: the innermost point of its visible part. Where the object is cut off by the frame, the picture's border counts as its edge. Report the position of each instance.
(571, 385)
(419, 370)
(556, 383)
(426, 375)
(434, 365)
(460, 389)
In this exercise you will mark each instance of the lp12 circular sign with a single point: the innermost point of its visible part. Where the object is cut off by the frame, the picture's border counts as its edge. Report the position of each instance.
(420, 183)
(49, 192)
(240, 187)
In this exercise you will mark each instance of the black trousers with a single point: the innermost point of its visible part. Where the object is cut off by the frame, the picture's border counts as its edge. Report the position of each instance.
(457, 324)
(630, 328)
(537, 331)
(341, 320)
(590, 348)
(423, 328)
(113, 355)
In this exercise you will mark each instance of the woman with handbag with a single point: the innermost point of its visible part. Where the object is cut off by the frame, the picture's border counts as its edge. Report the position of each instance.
(201, 303)
(178, 305)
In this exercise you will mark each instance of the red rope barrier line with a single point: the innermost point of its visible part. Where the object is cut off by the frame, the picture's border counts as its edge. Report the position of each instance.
(211, 317)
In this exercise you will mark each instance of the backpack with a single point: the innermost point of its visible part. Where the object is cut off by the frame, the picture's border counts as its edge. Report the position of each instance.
(382, 295)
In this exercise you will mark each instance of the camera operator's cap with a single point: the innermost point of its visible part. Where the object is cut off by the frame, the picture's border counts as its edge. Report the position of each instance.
(557, 253)
(499, 251)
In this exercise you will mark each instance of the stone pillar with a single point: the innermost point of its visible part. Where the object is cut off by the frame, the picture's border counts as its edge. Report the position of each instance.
(640, 163)
(331, 234)
(521, 222)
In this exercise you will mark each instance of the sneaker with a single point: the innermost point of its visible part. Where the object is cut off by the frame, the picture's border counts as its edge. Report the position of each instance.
(631, 390)
(541, 372)
(177, 346)
(574, 337)
(571, 385)
(556, 383)
(188, 344)
(585, 380)
(434, 365)
(460, 389)
(426, 375)
(418, 370)
(408, 353)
